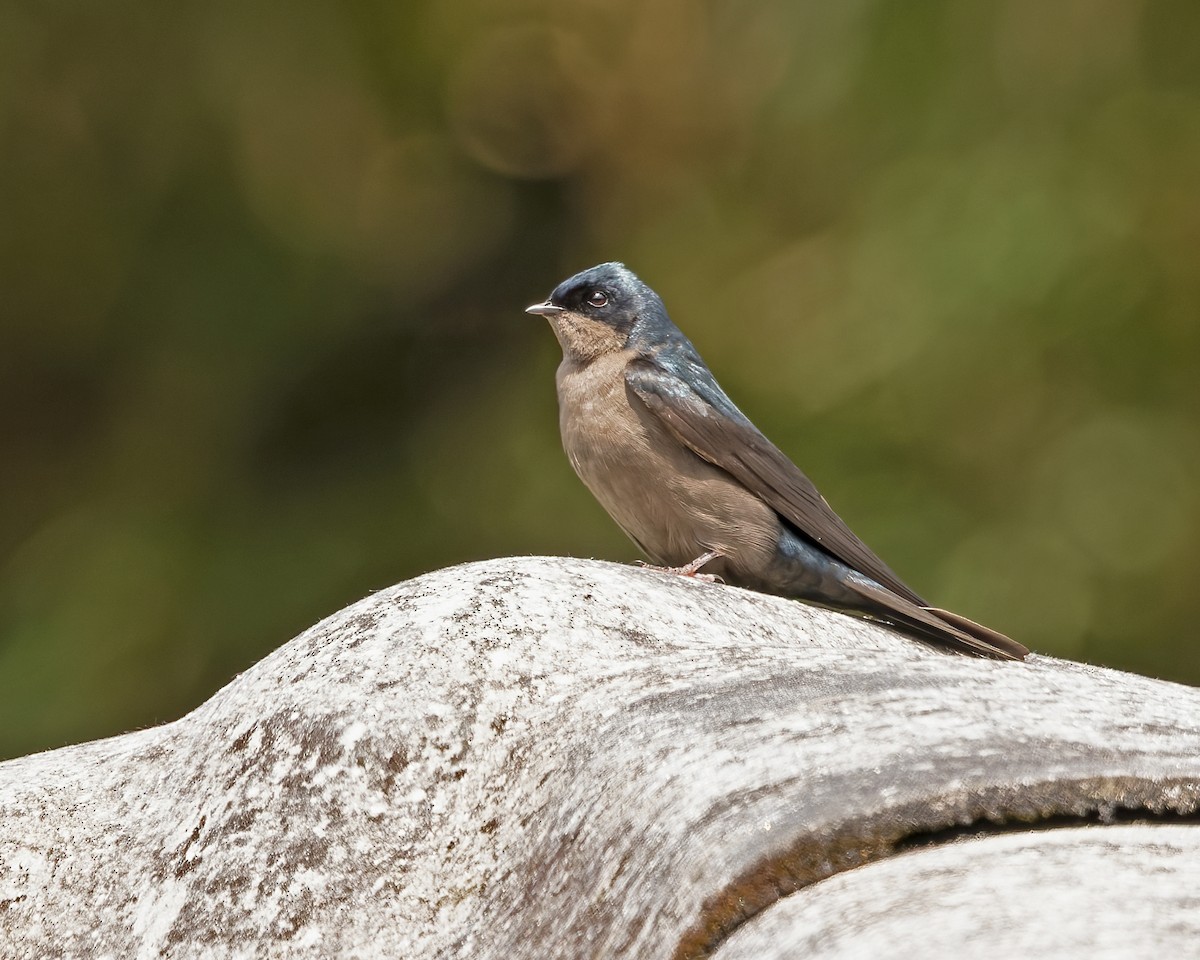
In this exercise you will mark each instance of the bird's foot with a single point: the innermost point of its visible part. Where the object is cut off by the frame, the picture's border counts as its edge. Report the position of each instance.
(691, 569)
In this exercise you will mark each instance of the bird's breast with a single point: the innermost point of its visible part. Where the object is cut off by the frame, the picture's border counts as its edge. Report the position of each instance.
(602, 431)
(670, 502)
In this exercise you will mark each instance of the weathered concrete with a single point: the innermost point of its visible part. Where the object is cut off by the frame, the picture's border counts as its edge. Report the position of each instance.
(1105, 893)
(561, 758)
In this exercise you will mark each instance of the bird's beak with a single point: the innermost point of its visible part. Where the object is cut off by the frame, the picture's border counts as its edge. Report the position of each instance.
(546, 309)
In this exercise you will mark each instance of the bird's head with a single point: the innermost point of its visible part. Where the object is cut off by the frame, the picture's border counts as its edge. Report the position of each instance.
(594, 312)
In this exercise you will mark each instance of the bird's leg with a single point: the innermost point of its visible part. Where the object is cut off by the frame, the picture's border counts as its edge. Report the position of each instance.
(691, 569)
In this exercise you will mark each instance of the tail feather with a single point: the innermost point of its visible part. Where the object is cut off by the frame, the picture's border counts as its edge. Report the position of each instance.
(932, 623)
(993, 637)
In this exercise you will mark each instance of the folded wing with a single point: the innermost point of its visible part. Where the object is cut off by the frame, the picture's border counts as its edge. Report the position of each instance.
(695, 409)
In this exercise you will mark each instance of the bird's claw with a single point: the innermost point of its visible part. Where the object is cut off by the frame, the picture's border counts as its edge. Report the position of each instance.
(691, 570)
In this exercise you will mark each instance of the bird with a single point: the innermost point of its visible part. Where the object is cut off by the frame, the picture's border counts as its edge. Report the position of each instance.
(695, 485)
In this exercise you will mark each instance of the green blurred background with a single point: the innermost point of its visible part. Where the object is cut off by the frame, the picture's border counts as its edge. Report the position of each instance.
(262, 271)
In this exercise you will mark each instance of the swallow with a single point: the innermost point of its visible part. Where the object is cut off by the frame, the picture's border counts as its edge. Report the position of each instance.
(694, 484)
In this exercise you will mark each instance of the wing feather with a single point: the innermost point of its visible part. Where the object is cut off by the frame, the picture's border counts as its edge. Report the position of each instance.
(706, 420)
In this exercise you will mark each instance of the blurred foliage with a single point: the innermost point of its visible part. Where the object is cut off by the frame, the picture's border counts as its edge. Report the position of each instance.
(262, 270)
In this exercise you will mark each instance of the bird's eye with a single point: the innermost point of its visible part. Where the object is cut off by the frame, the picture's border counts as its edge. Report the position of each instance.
(598, 299)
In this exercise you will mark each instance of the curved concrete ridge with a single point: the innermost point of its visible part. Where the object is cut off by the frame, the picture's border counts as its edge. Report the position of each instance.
(542, 757)
(1107, 893)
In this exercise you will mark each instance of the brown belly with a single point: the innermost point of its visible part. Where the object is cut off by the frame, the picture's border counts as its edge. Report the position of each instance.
(672, 504)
